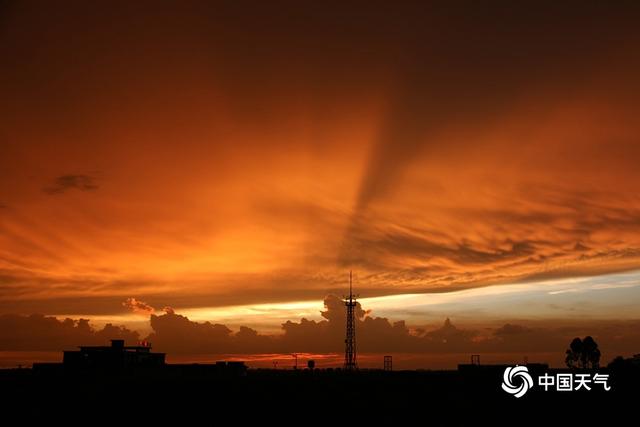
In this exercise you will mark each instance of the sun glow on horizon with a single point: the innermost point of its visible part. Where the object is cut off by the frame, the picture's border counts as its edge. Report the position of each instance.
(543, 300)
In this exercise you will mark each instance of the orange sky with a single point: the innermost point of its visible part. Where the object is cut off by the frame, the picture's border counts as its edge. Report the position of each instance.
(204, 156)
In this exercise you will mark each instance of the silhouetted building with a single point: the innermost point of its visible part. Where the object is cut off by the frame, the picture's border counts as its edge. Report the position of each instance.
(115, 356)
(388, 363)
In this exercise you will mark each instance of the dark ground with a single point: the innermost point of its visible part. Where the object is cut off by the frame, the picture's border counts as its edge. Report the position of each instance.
(196, 395)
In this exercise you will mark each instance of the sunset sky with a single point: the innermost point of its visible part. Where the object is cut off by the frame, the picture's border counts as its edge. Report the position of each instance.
(477, 161)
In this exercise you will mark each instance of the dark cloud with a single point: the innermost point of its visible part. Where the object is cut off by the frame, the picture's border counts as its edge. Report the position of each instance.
(470, 65)
(328, 334)
(38, 332)
(580, 247)
(463, 252)
(510, 329)
(176, 334)
(65, 183)
(450, 335)
(564, 231)
(217, 118)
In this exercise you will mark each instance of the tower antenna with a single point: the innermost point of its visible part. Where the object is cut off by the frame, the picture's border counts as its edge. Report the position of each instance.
(350, 360)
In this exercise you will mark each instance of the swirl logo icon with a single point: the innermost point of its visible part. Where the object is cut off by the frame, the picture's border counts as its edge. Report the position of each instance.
(516, 380)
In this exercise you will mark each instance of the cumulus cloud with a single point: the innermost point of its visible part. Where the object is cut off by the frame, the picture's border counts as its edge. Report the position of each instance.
(139, 307)
(176, 334)
(38, 332)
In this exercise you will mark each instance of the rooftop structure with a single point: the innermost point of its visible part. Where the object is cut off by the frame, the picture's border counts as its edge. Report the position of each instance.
(115, 356)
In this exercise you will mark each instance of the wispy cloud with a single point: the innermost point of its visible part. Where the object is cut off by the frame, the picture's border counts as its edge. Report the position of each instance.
(423, 166)
(615, 286)
(565, 291)
(65, 183)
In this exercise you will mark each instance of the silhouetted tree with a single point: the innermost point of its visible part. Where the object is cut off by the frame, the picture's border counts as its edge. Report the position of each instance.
(618, 362)
(590, 353)
(573, 353)
(569, 359)
(583, 353)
